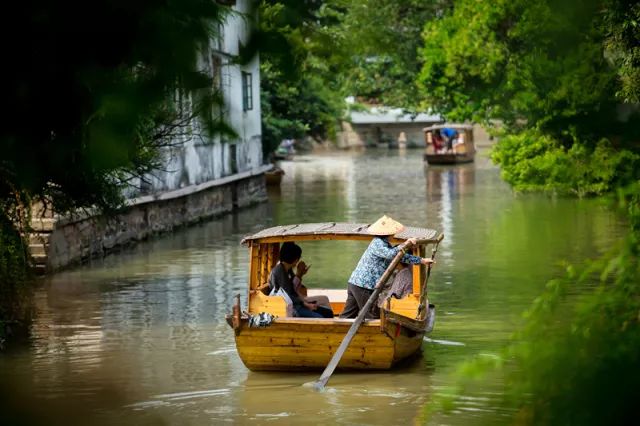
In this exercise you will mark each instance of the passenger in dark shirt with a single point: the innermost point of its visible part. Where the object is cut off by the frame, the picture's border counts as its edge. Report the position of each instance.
(282, 276)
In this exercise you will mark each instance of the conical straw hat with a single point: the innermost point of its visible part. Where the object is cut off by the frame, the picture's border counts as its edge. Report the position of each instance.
(385, 226)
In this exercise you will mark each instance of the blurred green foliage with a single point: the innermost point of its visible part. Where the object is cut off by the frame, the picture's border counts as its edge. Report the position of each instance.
(15, 309)
(576, 359)
(560, 79)
(94, 92)
(90, 86)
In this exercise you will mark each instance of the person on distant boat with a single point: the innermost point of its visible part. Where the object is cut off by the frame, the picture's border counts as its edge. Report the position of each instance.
(402, 140)
(372, 265)
(282, 277)
(438, 140)
(449, 134)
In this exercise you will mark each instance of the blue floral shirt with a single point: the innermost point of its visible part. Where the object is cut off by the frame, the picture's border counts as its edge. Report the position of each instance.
(375, 260)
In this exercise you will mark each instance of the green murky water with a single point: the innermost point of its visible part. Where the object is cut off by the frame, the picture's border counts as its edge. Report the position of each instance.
(140, 337)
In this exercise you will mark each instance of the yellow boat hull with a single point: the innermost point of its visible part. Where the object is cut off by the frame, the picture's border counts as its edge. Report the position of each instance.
(308, 344)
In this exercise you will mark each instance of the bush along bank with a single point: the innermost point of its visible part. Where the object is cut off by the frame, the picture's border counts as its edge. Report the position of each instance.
(15, 288)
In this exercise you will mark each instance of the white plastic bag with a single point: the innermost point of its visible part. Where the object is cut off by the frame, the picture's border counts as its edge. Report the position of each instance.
(281, 292)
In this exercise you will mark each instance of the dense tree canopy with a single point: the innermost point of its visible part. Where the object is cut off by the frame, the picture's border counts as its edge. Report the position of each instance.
(315, 53)
(382, 39)
(552, 73)
(537, 64)
(622, 32)
(299, 60)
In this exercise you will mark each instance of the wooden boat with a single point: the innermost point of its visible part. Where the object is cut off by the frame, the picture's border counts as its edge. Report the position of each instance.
(291, 343)
(280, 155)
(462, 148)
(274, 176)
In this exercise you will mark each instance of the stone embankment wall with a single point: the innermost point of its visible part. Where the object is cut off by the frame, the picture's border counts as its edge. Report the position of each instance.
(76, 239)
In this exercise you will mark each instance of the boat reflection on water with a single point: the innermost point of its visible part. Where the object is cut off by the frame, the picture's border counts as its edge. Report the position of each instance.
(446, 190)
(450, 180)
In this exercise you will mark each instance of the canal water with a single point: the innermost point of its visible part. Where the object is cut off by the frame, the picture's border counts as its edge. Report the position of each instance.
(140, 337)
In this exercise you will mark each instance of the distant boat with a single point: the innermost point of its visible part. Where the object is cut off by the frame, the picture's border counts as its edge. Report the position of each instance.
(289, 343)
(274, 176)
(459, 148)
(285, 150)
(280, 155)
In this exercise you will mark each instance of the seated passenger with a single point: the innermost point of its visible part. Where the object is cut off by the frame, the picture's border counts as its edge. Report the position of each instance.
(438, 141)
(403, 281)
(401, 286)
(282, 277)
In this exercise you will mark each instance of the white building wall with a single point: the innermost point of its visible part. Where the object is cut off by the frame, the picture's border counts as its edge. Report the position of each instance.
(246, 123)
(198, 159)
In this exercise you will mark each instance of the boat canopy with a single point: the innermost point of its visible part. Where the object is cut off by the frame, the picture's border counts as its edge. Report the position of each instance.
(450, 126)
(335, 231)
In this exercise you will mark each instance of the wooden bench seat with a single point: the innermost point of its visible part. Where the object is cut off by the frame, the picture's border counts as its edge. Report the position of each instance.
(276, 305)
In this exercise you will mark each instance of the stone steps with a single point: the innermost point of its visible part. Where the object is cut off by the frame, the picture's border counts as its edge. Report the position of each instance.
(37, 250)
(39, 238)
(42, 225)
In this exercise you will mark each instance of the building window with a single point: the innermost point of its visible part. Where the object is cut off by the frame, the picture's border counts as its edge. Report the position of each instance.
(216, 72)
(247, 91)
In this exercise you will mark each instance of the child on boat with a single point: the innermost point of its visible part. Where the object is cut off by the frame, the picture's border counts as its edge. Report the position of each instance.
(438, 141)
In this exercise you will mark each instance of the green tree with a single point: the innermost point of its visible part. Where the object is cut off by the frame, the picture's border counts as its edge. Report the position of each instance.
(622, 32)
(299, 59)
(541, 69)
(381, 43)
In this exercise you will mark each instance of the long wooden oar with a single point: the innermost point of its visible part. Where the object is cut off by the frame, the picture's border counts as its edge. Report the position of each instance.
(328, 371)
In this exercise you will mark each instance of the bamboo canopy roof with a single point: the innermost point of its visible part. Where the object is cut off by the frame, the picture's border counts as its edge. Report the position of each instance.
(335, 230)
(450, 126)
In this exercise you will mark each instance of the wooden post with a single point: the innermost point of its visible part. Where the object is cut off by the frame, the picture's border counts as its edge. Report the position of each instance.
(235, 320)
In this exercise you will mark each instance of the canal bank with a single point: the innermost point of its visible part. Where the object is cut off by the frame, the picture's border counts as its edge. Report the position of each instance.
(76, 238)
